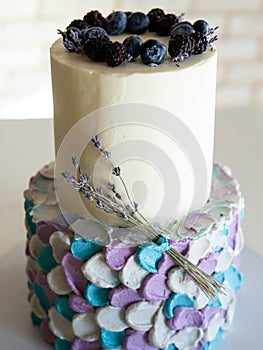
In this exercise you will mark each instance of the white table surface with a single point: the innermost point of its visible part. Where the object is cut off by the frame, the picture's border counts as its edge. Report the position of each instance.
(26, 145)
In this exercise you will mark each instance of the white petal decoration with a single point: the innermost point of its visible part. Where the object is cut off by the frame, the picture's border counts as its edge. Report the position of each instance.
(37, 196)
(111, 318)
(32, 266)
(199, 249)
(60, 244)
(48, 170)
(57, 281)
(45, 212)
(219, 241)
(187, 338)
(85, 327)
(36, 307)
(132, 275)
(230, 316)
(178, 284)
(224, 260)
(35, 246)
(90, 230)
(201, 300)
(100, 274)
(215, 323)
(160, 334)
(229, 298)
(140, 315)
(239, 242)
(59, 325)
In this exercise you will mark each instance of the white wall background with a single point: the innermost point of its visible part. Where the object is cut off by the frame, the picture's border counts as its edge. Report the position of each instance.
(29, 27)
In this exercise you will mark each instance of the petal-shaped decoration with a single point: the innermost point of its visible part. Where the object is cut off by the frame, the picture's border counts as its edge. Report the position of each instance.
(132, 275)
(196, 225)
(199, 248)
(154, 288)
(72, 269)
(117, 254)
(224, 260)
(160, 333)
(187, 338)
(80, 344)
(215, 323)
(91, 230)
(179, 284)
(35, 246)
(111, 318)
(85, 327)
(37, 308)
(123, 297)
(60, 326)
(60, 244)
(45, 212)
(137, 340)
(99, 273)
(79, 304)
(45, 332)
(140, 315)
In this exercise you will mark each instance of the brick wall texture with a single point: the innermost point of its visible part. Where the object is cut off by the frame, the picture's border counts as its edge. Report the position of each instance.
(29, 27)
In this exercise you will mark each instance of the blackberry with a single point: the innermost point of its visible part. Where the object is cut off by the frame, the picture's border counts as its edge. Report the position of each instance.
(72, 39)
(153, 52)
(164, 25)
(116, 23)
(133, 45)
(96, 48)
(181, 46)
(78, 23)
(138, 23)
(201, 43)
(94, 19)
(154, 16)
(116, 54)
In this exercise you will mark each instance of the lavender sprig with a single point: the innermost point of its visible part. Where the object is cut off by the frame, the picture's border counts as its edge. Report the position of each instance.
(130, 214)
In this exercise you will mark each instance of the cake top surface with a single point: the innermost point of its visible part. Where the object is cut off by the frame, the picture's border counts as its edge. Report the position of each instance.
(59, 53)
(135, 42)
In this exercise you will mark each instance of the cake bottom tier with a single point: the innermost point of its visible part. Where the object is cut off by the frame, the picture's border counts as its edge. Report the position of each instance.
(84, 295)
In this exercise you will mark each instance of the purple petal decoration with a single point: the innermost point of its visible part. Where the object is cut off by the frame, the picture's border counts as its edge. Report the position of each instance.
(209, 311)
(41, 280)
(196, 222)
(79, 304)
(46, 228)
(137, 340)
(228, 193)
(74, 276)
(116, 255)
(208, 263)
(46, 333)
(165, 264)
(154, 288)
(186, 317)
(80, 344)
(123, 297)
(233, 228)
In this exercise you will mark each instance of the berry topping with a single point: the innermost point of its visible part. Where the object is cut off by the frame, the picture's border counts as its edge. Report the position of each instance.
(72, 39)
(202, 27)
(164, 25)
(116, 54)
(181, 47)
(182, 28)
(128, 13)
(138, 23)
(78, 23)
(133, 45)
(116, 23)
(96, 48)
(154, 16)
(92, 33)
(94, 19)
(201, 43)
(153, 52)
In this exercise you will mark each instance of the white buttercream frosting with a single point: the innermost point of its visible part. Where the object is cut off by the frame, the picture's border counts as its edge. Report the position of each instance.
(81, 87)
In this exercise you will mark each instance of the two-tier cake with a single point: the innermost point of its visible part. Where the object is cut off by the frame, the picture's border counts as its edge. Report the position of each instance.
(134, 105)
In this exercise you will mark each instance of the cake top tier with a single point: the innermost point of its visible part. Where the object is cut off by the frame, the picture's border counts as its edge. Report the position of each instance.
(151, 39)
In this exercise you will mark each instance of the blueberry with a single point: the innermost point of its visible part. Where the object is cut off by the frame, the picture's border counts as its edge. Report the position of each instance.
(92, 33)
(153, 52)
(138, 23)
(133, 44)
(202, 27)
(116, 23)
(182, 28)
